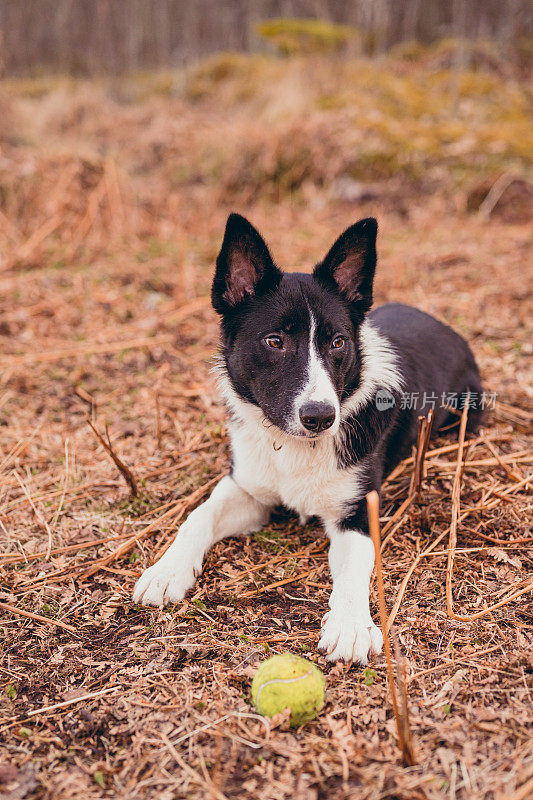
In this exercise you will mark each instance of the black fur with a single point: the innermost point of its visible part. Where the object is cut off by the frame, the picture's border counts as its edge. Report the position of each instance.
(258, 301)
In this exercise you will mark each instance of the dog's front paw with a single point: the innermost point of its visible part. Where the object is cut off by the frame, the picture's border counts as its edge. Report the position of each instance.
(348, 639)
(165, 582)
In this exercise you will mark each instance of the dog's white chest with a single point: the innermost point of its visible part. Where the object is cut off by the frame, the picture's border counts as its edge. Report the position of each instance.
(291, 472)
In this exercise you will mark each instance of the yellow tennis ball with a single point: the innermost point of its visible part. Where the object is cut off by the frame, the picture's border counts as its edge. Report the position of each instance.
(288, 681)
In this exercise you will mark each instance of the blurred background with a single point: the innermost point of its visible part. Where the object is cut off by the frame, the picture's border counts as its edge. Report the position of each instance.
(128, 117)
(118, 36)
(130, 128)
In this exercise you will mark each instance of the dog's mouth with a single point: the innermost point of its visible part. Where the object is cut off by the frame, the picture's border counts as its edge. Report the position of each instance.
(298, 432)
(315, 437)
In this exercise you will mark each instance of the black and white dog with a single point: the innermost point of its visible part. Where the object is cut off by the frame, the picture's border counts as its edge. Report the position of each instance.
(313, 384)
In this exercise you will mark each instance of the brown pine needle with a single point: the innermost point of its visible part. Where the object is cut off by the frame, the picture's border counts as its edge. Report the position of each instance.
(124, 470)
(282, 582)
(87, 349)
(37, 513)
(16, 558)
(73, 701)
(19, 612)
(178, 510)
(433, 545)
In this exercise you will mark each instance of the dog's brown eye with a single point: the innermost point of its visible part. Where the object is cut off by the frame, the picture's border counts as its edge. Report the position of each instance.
(276, 342)
(337, 342)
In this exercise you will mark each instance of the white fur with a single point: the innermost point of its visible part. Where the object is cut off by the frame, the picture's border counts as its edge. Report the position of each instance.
(270, 468)
(318, 386)
(276, 468)
(229, 511)
(347, 629)
(379, 369)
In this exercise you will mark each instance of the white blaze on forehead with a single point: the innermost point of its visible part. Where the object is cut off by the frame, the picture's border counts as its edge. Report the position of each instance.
(318, 386)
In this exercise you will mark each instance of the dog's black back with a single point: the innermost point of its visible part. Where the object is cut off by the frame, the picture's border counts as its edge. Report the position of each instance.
(438, 369)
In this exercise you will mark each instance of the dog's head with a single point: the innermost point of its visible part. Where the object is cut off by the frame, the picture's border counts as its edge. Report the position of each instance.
(290, 340)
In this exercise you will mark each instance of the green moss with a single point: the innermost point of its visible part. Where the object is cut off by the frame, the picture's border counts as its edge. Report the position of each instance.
(413, 52)
(375, 165)
(204, 80)
(272, 540)
(299, 36)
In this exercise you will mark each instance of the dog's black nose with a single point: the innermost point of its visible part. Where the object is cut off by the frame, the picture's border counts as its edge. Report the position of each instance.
(317, 417)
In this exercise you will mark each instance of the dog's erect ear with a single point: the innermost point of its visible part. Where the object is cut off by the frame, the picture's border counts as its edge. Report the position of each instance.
(349, 266)
(244, 266)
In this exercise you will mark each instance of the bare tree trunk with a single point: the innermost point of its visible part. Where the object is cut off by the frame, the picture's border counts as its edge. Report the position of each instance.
(119, 35)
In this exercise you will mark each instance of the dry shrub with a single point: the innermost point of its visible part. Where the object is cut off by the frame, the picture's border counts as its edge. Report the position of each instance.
(512, 204)
(238, 128)
(7, 117)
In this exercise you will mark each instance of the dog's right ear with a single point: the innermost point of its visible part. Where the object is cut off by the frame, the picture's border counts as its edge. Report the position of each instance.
(244, 266)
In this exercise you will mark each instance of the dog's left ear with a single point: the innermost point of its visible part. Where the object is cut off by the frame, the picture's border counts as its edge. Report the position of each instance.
(244, 266)
(349, 266)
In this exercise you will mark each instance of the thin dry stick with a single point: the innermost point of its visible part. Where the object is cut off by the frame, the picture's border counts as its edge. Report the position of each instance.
(404, 697)
(88, 220)
(521, 457)
(89, 349)
(432, 546)
(16, 558)
(399, 512)
(525, 791)
(208, 784)
(447, 663)
(507, 599)
(62, 499)
(447, 448)
(125, 471)
(179, 509)
(282, 582)
(391, 533)
(16, 449)
(157, 395)
(37, 617)
(74, 700)
(495, 193)
(104, 484)
(508, 542)
(114, 196)
(501, 462)
(422, 440)
(310, 550)
(27, 249)
(372, 500)
(40, 518)
(456, 509)
(416, 477)
(11, 229)
(157, 419)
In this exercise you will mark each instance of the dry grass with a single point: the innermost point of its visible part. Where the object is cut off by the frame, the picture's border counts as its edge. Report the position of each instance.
(110, 219)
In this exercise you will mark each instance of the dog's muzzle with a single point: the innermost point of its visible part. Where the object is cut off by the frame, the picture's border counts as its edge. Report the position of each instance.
(317, 417)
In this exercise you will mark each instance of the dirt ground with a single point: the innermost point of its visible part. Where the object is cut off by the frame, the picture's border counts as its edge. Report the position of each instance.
(110, 219)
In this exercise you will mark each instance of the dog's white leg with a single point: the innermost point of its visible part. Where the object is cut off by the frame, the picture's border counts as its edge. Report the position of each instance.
(348, 631)
(228, 512)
